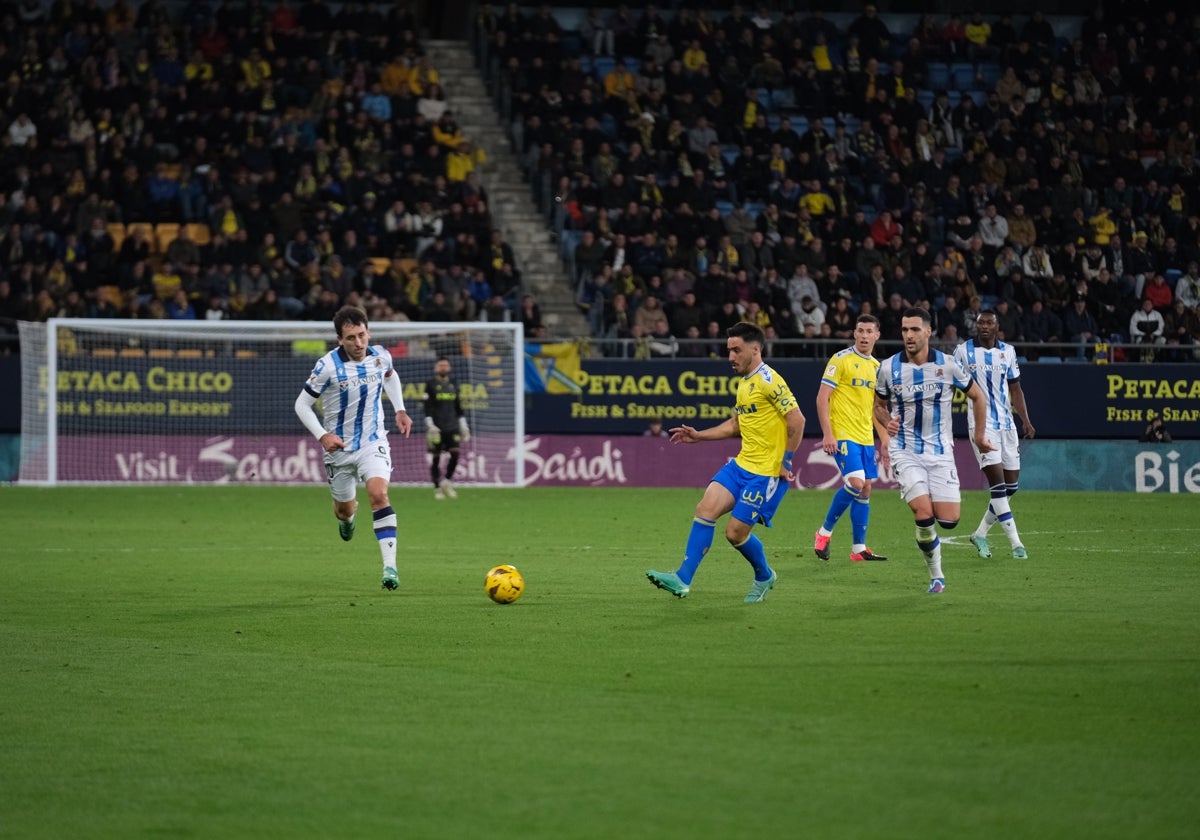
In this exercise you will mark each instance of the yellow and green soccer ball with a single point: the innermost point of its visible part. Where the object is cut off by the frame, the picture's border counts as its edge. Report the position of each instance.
(504, 584)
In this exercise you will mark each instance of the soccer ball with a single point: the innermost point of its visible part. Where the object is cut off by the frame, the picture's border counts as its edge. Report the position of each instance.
(504, 584)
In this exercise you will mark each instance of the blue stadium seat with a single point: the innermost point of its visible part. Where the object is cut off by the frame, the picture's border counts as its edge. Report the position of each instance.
(1172, 275)
(725, 207)
(602, 65)
(830, 125)
(729, 152)
(754, 207)
(783, 99)
(799, 125)
(962, 75)
(773, 122)
(852, 124)
(939, 75)
(954, 97)
(1049, 360)
(980, 97)
(991, 74)
(925, 99)
(633, 65)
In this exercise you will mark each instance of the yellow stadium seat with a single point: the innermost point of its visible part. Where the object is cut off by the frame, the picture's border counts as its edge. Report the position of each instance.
(104, 352)
(162, 353)
(199, 233)
(164, 234)
(381, 264)
(133, 353)
(117, 231)
(147, 230)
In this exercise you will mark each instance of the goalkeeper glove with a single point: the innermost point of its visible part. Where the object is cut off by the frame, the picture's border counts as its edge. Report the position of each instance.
(464, 433)
(432, 433)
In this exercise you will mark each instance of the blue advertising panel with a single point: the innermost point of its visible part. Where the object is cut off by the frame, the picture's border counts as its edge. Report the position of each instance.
(1065, 400)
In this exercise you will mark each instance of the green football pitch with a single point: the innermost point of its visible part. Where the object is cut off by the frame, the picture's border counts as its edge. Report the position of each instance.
(205, 662)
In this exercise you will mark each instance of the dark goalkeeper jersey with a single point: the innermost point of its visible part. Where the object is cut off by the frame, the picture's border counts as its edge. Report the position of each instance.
(442, 404)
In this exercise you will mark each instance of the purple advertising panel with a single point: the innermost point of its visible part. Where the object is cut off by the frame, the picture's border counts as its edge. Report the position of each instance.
(548, 460)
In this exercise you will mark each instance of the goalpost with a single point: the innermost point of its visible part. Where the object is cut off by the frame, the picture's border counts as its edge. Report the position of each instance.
(111, 401)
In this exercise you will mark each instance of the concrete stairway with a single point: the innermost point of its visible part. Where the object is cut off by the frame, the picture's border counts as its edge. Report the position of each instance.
(512, 206)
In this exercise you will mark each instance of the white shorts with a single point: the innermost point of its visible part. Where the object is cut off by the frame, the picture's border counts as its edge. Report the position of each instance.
(346, 469)
(926, 475)
(1006, 451)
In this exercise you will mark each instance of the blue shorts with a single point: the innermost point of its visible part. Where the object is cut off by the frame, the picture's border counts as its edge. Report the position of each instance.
(851, 456)
(755, 497)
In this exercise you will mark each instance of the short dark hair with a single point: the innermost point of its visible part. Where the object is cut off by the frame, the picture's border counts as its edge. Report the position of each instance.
(747, 332)
(349, 315)
(867, 319)
(918, 312)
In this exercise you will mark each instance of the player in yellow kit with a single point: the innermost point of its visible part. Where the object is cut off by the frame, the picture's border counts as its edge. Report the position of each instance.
(845, 409)
(751, 486)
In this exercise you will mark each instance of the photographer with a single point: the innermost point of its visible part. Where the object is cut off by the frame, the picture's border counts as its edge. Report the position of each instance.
(1156, 432)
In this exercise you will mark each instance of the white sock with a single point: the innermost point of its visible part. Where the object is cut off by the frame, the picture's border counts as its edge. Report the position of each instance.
(385, 532)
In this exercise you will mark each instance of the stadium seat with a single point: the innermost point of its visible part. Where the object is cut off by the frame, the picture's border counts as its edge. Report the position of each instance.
(380, 264)
(633, 65)
(852, 124)
(147, 230)
(980, 97)
(773, 121)
(1172, 275)
(164, 234)
(925, 98)
(1049, 360)
(990, 72)
(199, 233)
(117, 231)
(799, 125)
(729, 152)
(725, 207)
(962, 75)
(112, 294)
(939, 75)
(954, 97)
(754, 208)
(783, 99)
(602, 65)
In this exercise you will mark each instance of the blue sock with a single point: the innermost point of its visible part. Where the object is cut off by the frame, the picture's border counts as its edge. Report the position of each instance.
(841, 501)
(752, 550)
(860, 515)
(699, 541)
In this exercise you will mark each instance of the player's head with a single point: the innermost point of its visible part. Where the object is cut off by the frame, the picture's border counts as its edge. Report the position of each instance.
(441, 368)
(989, 327)
(744, 343)
(352, 332)
(866, 333)
(915, 328)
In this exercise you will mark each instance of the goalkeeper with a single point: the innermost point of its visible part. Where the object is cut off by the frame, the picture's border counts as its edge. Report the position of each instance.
(445, 428)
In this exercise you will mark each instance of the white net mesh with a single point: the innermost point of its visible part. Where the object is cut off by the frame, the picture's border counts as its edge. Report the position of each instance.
(180, 402)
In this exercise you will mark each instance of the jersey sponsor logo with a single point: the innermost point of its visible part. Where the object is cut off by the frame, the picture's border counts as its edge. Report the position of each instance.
(359, 381)
(746, 409)
(859, 382)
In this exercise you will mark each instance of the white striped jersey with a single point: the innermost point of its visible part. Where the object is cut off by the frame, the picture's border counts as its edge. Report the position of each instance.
(992, 370)
(351, 394)
(922, 396)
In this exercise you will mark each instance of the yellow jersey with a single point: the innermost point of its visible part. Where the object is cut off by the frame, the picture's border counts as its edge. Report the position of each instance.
(852, 403)
(763, 398)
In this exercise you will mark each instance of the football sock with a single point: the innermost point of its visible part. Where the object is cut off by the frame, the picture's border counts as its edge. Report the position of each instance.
(435, 472)
(860, 514)
(451, 465)
(1005, 518)
(841, 501)
(927, 541)
(752, 550)
(992, 514)
(698, 543)
(385, 532)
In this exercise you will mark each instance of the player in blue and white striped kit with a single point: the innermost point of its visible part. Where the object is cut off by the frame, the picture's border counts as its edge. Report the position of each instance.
(993, 366)
(351, 380)
(914, 395)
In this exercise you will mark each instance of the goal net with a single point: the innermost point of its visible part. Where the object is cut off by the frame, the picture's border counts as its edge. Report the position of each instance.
(194, 402)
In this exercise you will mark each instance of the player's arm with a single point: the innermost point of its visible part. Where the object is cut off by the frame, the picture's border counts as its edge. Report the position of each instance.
(686, 434)
(795, 435)
(1018, 401)
(828, 441)
(882, 416)
(979, 410)
(304, 410)
(391, 387)
(885, 441)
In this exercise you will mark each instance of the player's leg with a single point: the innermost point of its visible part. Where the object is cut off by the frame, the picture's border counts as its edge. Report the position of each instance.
(842, 499)
(862, 479)
(914, 489)
(716, 502)
(946, 504)
(447, 484)
(343, 487)
(376, 468)
(435, 469)
(1011, 461)
(989, 465)
(757, 503)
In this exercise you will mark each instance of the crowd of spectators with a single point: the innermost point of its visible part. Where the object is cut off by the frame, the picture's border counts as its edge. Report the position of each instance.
(709, 167)
(237, 160)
